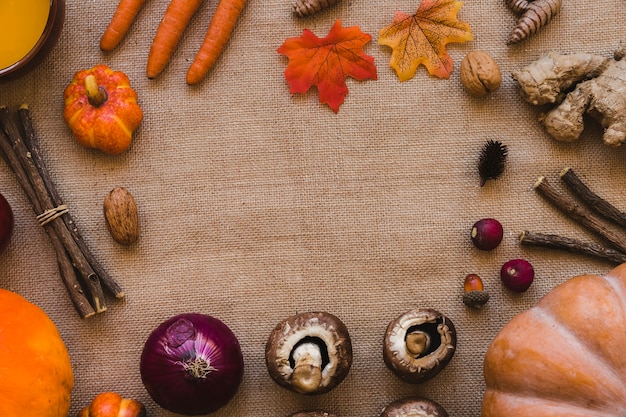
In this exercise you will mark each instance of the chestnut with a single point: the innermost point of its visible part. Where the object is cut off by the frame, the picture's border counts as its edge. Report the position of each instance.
(309, 353)
(419, 344)
(414, 406)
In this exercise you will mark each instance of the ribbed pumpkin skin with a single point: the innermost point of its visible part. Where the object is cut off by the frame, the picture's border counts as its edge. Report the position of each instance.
(564, 357)
(35, 372)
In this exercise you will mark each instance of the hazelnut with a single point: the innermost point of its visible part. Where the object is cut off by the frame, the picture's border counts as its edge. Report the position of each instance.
(120, 213)
(480, 74)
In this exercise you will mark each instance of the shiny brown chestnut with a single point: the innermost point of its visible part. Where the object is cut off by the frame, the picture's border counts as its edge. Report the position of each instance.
(419, 344)
(309, 353)
(42, 48)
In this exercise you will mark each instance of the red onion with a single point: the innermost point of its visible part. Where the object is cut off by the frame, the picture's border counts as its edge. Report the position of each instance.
(192, 364)
(6, 223)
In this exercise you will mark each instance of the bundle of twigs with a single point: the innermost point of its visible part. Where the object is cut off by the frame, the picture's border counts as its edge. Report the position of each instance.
(81, 273)
(595, 214)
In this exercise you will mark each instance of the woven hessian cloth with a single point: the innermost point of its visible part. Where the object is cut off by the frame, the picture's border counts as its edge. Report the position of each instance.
(256, 204)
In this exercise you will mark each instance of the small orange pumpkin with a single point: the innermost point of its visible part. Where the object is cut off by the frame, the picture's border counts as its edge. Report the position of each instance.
(36, 376)
(565, 356)
(111, 404)
(101, 109)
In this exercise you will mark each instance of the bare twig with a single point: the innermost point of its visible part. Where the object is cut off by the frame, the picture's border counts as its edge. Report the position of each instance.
(571, 245)
(68, 274)
(32, 144)
(578, 213)
(593, 200)
(43, 204)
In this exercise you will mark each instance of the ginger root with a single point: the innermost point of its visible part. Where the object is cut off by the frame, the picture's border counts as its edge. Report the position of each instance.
(580, 84)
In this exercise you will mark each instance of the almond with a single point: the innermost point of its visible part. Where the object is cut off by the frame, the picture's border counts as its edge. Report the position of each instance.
(121, 215)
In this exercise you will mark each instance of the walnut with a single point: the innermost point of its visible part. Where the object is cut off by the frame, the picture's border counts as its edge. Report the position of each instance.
(480, 74)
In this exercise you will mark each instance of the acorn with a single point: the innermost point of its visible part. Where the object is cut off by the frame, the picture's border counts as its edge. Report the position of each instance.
(474, 294)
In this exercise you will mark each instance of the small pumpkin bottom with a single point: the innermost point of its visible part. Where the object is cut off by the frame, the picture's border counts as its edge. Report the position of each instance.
(36, 376)
(577, 367)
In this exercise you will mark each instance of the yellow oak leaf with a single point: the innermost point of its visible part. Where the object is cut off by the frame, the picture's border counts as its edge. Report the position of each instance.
(422, 38)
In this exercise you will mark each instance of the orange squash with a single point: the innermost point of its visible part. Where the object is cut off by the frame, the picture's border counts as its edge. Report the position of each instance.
(112, 404)
(36, 376)
(564, 357)
(101, 109)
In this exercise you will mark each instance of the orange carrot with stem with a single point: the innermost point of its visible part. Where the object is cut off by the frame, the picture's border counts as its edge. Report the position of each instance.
(217, 36)
(120, 23)
(168, 34)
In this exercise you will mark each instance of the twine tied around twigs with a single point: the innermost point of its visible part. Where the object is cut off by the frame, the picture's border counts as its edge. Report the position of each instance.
(49, 215)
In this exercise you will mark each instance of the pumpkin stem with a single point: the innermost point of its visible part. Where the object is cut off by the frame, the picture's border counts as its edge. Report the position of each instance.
(95, 94)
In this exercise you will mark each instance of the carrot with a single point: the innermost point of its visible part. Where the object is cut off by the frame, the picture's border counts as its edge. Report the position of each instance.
(121, 21)
(220, 29)
(168, 34)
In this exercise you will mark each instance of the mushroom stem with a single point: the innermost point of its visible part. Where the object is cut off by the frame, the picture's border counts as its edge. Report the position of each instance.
(307, 371)
(417, 342)
(95, 95)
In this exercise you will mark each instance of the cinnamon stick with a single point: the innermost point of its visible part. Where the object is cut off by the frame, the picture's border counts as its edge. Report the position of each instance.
(68, 274)
(43, 203)
(571, 245)
(32, 144)
(578, 213)
(593, 200)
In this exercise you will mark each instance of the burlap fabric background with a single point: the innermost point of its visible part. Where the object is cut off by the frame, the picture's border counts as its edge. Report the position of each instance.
(256, 204)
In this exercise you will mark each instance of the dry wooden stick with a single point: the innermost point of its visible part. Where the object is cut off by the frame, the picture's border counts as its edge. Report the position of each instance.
(46, 205)
(593, 200)
(571, 245)
(68, 274)
(32, 144)
(578, 213)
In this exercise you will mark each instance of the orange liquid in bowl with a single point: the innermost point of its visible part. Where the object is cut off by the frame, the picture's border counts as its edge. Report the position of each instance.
(22, 22)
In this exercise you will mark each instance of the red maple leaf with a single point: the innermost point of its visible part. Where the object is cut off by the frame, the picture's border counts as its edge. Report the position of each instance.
(327, 62)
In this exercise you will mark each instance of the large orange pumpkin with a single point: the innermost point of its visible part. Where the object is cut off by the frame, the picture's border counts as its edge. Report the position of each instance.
(564, 357)
(36, 376)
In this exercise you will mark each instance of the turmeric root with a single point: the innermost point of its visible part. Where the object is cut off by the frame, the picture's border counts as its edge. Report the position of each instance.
(305, 8)
(534, 15)
(580, 84)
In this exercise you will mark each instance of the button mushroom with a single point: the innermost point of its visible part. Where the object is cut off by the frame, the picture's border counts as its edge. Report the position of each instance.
(309, 353)
(419, 344)
(414, 406)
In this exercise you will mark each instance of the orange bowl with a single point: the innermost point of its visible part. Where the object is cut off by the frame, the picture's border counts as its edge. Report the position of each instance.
(29, 29)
